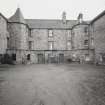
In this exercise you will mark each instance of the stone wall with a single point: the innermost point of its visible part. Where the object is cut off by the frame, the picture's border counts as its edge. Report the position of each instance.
(18, 36)
(3, 35)
(98, 28)
(79, 36)
(18, 40)
(40, 39)
(80, 33)
(59, 38)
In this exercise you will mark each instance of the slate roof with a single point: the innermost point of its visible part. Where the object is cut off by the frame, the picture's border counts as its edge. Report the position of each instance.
(98, 16)
(3, 16)
(42, 23)
(17, 17)
(49, 23)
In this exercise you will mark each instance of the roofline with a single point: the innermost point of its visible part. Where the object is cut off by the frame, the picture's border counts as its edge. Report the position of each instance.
(80, 24)
(20, 23)
(53, 28)
(97, 17)
(4, 17)
(50, 19)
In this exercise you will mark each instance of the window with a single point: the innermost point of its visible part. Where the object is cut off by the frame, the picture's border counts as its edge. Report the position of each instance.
(29, 33)
(92, 42)
(1, 55)
(73, 33)
(86, 29)
(68, 33)
(86, 42)
(8, 42)
(68, 45)
(28, 57)
(87, 57)
(50, 33)
(14, 57)
(50, 45)
(30, 45)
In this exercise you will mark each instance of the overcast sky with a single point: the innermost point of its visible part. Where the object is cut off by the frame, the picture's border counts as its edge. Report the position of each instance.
(52, 9)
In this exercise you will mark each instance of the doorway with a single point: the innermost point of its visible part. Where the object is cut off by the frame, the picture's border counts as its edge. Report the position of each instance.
(40, 58)
(61, 58)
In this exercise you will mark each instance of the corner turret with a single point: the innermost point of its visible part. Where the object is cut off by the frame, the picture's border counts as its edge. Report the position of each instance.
(17, 17)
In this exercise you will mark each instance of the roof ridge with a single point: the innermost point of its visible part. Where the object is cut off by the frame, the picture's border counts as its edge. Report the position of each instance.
(51, 19)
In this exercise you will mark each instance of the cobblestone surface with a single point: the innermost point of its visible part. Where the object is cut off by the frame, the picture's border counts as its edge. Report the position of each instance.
(65, 84)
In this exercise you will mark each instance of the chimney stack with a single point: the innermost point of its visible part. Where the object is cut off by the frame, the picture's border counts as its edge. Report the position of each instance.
(80, 18)
(64, 17)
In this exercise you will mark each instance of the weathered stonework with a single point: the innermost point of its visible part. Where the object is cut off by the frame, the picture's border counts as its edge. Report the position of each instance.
(29, 41)
(98, 33)
(40, 39)
(3, 34)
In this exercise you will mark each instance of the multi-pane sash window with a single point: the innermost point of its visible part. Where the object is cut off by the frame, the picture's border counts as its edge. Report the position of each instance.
(69, 33)
(50, 33)
(68, 45)
(30, 45)
(50, 45)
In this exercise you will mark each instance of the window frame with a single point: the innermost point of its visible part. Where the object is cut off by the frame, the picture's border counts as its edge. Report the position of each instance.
(86, 42)
(30, 45)
(50, 45)
(50, 33)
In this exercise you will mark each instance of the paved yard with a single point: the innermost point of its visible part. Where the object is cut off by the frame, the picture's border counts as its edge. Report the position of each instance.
(63, 84)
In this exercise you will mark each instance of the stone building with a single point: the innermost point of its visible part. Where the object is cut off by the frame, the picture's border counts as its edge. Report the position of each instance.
(50, 40)
(4, 36)
(97, 27)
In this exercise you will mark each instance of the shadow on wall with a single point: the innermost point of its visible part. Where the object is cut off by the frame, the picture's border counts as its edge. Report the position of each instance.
(6, 59)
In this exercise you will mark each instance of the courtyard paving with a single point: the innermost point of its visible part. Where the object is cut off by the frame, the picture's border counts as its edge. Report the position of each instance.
(52, 84)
